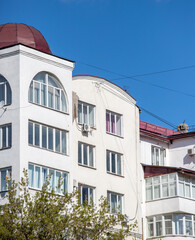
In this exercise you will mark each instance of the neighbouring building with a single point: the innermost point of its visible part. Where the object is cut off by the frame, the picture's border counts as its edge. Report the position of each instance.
(168, 199)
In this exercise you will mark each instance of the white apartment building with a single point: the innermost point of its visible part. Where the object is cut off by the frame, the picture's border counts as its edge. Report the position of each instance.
(168, 162)
(106, 144)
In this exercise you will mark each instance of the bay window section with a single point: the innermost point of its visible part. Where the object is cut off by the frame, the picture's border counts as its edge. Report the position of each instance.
(5, 136)
(170, 185)
(45, 90)
(161, 187)
(172, 224)
(86, 114)
(86, 154)
(113, 123)
(114, 162)
(47, 137)
(115, 202)
(38, 176)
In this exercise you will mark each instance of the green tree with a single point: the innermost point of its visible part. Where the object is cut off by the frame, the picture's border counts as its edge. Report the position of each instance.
(46, 215)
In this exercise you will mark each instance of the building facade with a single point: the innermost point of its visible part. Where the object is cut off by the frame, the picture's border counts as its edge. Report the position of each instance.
(86, 130)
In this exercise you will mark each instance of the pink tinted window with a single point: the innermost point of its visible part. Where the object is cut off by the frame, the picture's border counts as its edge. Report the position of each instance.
(112, 123)
(107, 122)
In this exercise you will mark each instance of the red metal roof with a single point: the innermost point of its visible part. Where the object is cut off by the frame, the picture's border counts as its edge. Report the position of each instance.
(151, 170)
(157, 129)
(15, 33)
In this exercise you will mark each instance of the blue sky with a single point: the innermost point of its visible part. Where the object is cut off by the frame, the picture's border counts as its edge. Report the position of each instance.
(126, 38)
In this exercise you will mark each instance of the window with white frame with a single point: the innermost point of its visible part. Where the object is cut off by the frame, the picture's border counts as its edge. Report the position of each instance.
(45, 90)
(114, 162)
(86, 154)
(113, 123)
(161, 186)
(5, 91)
(171, 224)
(86, 194)
(186, 187)
(158, 156)
(47, 137)
(5, 178)
(115, 202)
(38, 175)
(86, 114)
(5, 136)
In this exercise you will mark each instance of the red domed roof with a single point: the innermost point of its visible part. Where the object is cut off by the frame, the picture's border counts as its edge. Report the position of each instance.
(15, 33)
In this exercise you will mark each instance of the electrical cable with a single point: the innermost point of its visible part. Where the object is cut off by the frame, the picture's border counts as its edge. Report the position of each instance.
(159, 118)
(141, 81)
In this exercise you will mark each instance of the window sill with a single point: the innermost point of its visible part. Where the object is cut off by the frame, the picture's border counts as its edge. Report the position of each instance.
(176, 196)
(114, 174)
(169, 235)
(115, 135)
(82, 165)
(64, 154)
(5, 148)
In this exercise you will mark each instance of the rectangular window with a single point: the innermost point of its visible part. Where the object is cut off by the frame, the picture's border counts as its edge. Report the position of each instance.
(38, 176)
(86, 194)
(114, 162)
(113, 123)
(86, 154)
(5, 136)
(168, 224)
(5, 178)
(115, 202)
(47, 137)
(158, 156)
(86, 114)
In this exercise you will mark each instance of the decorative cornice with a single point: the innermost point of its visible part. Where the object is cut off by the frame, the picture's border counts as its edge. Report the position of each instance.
(34, 56)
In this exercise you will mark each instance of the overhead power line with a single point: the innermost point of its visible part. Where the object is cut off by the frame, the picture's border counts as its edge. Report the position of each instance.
(141, 81)
(159, 118)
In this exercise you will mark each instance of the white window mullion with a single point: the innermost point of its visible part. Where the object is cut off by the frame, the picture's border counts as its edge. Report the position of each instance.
(1, 138)
(60, 100)
(184, 225)
(54, 139)
(61, 141)
(40, 135)
(5, 89)
(7, 135)
(88, 114)
(82, 152)
(87, 155)
(82, 114)
(33, 133)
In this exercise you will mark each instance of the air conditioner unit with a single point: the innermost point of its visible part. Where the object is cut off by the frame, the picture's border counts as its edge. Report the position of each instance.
(85, 127)
(191, 151)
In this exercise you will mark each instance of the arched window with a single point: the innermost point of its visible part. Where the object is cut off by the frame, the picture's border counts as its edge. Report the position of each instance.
(46, 90)
(5, 91)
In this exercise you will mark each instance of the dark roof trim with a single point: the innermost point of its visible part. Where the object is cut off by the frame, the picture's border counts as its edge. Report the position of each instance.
(151, 170)
(38, 51)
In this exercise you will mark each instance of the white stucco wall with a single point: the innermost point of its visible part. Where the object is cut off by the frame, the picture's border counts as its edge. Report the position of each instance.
(106, 96)
(19, 64)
